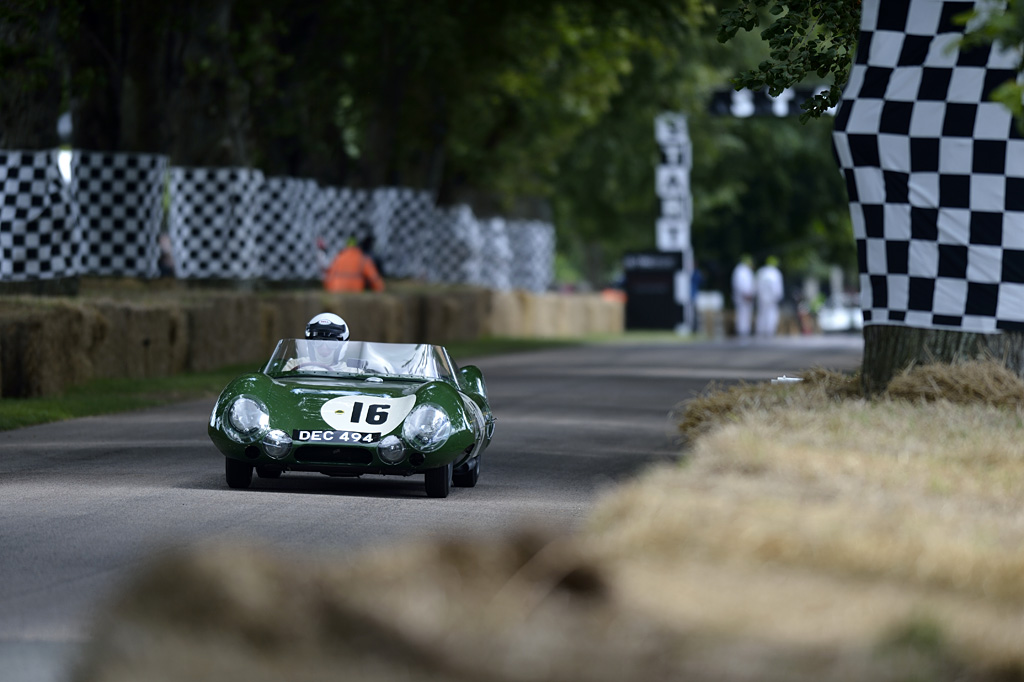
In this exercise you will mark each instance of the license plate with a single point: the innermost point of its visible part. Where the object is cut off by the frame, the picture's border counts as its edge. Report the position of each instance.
(334, 437)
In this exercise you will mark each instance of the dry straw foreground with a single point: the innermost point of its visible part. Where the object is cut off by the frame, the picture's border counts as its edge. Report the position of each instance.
(806, 535)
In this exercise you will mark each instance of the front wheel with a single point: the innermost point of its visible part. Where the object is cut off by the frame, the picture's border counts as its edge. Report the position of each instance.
(237, 473)
(438, 482)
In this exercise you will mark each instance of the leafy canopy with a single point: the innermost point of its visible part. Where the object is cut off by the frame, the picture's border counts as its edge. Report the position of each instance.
(806, 38)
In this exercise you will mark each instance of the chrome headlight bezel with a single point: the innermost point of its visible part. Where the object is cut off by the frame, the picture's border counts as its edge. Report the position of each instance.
(277, 444)
(391, 450)
(426, 428)
(246, 419)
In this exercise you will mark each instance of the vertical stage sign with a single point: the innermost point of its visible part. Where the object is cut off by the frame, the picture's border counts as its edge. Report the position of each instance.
(672, 185)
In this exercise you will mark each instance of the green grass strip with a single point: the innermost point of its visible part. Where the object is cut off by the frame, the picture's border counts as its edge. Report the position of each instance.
(108, 396)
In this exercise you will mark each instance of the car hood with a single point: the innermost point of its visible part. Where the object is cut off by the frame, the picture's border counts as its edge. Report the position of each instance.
(339, 403)
(328, 386)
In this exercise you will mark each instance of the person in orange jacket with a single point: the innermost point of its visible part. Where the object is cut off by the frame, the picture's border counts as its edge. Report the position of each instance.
(352, 270)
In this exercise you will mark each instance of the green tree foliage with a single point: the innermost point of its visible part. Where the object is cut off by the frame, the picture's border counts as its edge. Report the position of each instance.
(760, 185)
(1003, 24)
(527, 108)
(31, 78)
(806, 38)
(765, 187)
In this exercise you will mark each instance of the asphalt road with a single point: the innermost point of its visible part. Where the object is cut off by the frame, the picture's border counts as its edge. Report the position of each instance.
(83, 502)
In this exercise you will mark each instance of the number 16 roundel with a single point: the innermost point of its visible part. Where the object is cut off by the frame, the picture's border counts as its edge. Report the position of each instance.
(369, 414)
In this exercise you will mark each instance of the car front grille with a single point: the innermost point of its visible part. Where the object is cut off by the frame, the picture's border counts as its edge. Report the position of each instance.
(318, 454)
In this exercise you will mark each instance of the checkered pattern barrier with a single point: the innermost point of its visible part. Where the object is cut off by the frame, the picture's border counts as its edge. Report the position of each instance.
(232, 223)
(496, 260)
(935, 173)
(212, 222)
(120, 209)
(458, 246)
(533, 254)
(286, 229)
(342, 213)
(413, 238)
(400, 220)
(39, 233)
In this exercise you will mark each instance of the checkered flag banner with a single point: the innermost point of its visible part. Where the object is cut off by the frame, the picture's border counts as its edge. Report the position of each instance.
(342, 213)
(497, 254)
(286, 228)
(212, 222)
(400, 219)
(935, 172)
(457, 247)
(533, 254)
(39, 233)
(120, 204)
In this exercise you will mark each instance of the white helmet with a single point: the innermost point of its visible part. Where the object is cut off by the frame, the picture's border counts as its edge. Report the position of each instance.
(327, 326)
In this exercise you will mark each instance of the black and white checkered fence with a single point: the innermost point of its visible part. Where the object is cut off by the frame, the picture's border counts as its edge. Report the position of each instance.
(212, 222)
(497, 256)
(400, 219)
(120, 209)
(457, 247)
(533, 254)
(286, 229)
(935, 173)
(39, 233)
(342, 213)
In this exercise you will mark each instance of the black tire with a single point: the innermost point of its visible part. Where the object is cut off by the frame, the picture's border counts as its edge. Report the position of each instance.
(268, 472)
(468, 474)
(438, 482)
(237, 473)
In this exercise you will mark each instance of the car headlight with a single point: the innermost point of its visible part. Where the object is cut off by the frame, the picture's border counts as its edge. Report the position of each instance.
(391, 450)
(247, 419)
(426, 428)
(277, 443)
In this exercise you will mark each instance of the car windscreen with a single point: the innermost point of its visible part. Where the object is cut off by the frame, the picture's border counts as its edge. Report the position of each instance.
(330, 356)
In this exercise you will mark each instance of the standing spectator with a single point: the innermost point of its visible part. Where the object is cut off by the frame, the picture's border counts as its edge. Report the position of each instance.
(769, 295)
(743, 291)
(367, 245)
(352, 270)
(166, 262)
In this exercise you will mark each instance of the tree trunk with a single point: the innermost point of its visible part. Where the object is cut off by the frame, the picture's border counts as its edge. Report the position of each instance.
(96, 77)
(888, 350)
(208, 114)
(143, 103)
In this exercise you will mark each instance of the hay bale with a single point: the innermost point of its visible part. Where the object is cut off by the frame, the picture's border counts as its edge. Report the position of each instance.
(611, 316)
(528, 303)
(545, 312)
(453, 315)
(224, 331)
(509, 609)
(503, 314)
(47, 347)
(369, 317)
(988, 382)
(140, 341)
(285, 316)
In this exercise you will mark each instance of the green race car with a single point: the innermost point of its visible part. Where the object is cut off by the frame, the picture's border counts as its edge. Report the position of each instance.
(347, 408)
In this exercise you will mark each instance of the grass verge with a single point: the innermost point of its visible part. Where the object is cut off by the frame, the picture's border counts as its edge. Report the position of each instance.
(106, 396)
(883, 536)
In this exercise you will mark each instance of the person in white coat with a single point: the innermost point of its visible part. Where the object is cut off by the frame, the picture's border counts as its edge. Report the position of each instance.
(743, 292)
(769, 295)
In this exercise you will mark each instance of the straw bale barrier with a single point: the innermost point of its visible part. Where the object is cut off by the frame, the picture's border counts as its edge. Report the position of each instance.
(49, 344)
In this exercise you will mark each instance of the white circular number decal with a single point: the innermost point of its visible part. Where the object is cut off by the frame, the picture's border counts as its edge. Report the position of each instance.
(373, 414)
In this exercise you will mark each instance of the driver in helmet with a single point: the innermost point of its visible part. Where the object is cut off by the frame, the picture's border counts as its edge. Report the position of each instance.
(323, 354)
